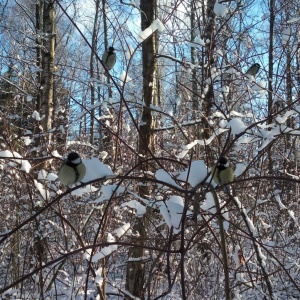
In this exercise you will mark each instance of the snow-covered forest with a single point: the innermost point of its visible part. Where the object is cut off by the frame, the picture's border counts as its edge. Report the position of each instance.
(194, 80)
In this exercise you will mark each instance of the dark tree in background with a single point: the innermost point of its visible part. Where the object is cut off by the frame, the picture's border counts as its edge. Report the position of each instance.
(149, 223)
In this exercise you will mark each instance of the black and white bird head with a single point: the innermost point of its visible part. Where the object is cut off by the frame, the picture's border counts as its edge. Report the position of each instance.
(111, 50)
(73, 158)
(72, 170)
(222, 161)
(253, 70)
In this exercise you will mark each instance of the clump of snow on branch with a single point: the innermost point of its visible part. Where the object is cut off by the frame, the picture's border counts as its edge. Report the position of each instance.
(44, 193)
(220, 9)
(282, 119)
(205, 142)
(237, 126)
(84, 190)
(195, 174)
(105, 251)
(27, 140)
(25, 165)
(156, 25)
(44, 175)
(122, 230)
(35, 115)
(95, 169)
(247, 219)
(239, 169)
(124, 77)
(99, 279)
(164, 176)
(210, 206)
(171, 211)
(107, 191)
(260, 87)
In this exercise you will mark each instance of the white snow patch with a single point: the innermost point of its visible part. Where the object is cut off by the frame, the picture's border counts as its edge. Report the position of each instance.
(164, 176)
(156, 25)
(195, 174)
(44, 193)
(239, 169)
(124, 77)
(283, 119)
(105, 250)
(172, 210)
(95, 169)
(209, 203)
(99, 279)
(237, 126)
(42, 175)
(108, 190)
(220, 9)
(84, 190)
(260, 87)
(25, 165)
(27, 140)
(36, 116)
(281, 205)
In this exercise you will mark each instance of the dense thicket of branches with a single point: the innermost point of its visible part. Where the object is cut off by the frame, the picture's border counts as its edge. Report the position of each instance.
(176, 100)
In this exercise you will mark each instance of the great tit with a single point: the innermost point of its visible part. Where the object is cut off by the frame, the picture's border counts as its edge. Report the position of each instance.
(223, 174)
(72, 170)
(253, 70)
(109, 58)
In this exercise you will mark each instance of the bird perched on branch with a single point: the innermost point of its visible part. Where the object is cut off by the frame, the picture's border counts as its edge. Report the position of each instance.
(72, 170)
(222, 173)
(253, 70)
(109, 58)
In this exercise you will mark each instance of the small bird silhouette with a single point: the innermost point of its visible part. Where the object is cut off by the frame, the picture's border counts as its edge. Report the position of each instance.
(109, 58)
(253, 70)
(222, 173)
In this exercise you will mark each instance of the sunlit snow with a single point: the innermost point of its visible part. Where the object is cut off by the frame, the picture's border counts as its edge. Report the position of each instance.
(172, 210)
(164, 176)
(95, 169)
(25, 165)
(195, 174)
(156, 25)
(237, 126)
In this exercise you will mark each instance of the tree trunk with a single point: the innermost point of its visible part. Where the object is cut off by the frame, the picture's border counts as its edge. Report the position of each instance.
(48, 53)
(136, 269)
(270, 85)
(92, 70)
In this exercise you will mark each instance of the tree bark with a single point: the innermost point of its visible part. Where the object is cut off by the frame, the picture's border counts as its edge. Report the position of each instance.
(48, 53)
(92, 70)
(136, 269)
